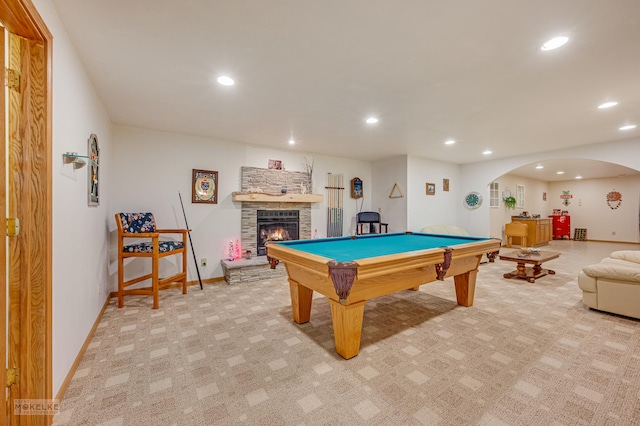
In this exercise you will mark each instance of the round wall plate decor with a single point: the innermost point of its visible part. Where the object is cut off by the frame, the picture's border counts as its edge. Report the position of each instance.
(472, 200)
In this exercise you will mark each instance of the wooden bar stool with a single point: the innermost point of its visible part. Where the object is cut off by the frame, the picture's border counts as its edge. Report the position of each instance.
(516, 229)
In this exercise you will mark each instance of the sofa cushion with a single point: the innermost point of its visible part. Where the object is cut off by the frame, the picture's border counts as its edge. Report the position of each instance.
(614, 271)
(444, 229)
(628, 255)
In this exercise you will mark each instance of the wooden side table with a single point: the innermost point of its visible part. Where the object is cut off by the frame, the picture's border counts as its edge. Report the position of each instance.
(536, 259)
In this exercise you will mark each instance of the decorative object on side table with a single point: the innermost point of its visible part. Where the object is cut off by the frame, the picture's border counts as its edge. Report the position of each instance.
(204, 187)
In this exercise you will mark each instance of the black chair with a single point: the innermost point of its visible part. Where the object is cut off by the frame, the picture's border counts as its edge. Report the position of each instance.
(371, 219)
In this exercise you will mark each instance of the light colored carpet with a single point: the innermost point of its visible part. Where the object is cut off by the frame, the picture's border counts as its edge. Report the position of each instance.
(523, 354)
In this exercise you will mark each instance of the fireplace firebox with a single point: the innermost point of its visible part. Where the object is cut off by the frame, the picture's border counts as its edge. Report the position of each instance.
(276, 225)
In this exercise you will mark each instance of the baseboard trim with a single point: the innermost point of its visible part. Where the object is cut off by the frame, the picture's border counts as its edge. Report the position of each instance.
(613, 242)
(83, 349)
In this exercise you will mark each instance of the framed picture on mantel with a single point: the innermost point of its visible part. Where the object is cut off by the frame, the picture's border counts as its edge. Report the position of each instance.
(204, 186)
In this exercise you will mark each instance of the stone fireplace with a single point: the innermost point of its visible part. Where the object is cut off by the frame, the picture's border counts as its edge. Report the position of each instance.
(262, 198)
(276, 202)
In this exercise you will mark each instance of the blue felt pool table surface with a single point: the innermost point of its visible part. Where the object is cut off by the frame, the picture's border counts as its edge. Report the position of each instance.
(346, 249)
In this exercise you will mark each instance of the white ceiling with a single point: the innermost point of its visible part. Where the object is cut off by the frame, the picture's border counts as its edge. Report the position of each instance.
(430, 70)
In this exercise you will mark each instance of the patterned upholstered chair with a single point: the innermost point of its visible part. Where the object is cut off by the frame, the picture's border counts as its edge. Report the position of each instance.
(141, 229)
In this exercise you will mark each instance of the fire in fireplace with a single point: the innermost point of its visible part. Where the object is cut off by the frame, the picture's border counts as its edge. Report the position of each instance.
(276, 225)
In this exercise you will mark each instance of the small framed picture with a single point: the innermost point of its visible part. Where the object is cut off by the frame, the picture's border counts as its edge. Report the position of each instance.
(204, 188)
(431, 188)
(275, 164)
(445, 184)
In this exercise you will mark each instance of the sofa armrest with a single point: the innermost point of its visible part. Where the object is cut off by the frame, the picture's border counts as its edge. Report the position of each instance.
(614, 271)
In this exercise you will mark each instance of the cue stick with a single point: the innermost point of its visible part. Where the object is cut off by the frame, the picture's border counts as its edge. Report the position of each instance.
(191, 242)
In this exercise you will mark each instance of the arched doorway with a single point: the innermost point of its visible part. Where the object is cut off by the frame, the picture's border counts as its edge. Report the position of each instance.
(578, 186)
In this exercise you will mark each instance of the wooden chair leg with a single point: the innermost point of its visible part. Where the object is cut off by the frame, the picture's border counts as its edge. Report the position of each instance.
(154, 282)
(184, 270)
(120, 281)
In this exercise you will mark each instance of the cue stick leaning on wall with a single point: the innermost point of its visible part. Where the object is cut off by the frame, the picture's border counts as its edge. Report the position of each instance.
(190, 242)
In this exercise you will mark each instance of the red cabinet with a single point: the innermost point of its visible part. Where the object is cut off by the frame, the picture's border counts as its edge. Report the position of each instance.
(561, 226)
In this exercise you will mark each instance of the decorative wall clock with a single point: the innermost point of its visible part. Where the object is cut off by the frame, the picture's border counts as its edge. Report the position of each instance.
(473, 200)
(204, 187)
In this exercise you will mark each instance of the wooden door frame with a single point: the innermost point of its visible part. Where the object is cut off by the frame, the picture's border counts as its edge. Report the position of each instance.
(20, 17)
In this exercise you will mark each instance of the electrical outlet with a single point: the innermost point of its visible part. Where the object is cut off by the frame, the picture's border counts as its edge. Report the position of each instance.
(613, 232)
(203, 261)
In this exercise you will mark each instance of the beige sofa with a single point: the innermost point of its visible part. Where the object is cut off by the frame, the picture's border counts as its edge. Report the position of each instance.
(449, 230)
(613, 285)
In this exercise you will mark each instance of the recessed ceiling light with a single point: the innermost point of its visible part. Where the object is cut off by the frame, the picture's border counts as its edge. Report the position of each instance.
(226, 80)
(371, 120)
(607, 105)
(539, 166)
(487, 152)
(578, 177)
(554, 43)
(560, 172)
(628, 127)
(292, 142)
(450, 142)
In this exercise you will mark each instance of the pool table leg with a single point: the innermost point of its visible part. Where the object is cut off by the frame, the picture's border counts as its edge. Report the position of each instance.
(347, 327)
(465, 287)
(301, 298)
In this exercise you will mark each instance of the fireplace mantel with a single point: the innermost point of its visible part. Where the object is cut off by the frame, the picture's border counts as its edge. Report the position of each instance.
(261, 197)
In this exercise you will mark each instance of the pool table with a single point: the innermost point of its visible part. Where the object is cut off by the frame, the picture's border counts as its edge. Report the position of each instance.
(351, 270)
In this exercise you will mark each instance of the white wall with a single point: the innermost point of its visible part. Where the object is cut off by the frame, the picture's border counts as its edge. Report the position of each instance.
(389, 172)
(153, 166)
(438, 209)
(79, 237)
(589, 209)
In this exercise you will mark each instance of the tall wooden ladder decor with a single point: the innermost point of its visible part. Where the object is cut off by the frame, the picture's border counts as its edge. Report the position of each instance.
(335, 215)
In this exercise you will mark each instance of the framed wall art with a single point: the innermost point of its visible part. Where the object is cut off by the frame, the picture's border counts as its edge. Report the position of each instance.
(431, 188)
(445, 184)
(275, 165)
(204, 186)
(94, 169)
(356, 188)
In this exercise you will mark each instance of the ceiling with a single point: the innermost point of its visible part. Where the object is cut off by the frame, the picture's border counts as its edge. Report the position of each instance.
(313, 71)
